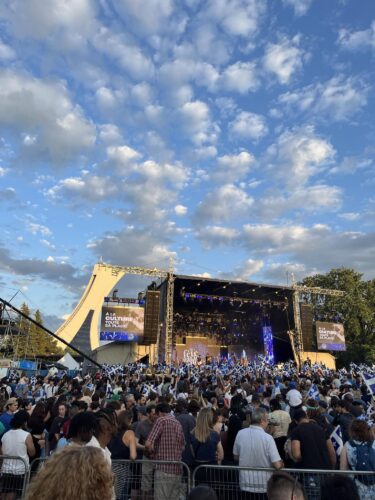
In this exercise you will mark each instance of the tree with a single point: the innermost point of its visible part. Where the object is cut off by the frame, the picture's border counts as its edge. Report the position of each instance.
(356, 310)
(22, 345)
(33, 341)
(45, 344)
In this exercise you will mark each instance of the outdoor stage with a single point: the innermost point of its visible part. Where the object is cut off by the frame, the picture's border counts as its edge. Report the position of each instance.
(191, 317)
(217, 318)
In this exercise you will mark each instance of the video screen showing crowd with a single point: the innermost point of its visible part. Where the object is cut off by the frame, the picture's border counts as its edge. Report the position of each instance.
(218, 412)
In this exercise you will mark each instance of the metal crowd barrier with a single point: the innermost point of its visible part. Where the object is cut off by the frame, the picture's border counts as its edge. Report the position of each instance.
(234, 482)
(166, 480)
(14, 477)
(151, 479)
(145, 479)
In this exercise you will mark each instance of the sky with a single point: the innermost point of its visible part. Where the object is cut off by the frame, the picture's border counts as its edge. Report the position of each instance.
(235, 135)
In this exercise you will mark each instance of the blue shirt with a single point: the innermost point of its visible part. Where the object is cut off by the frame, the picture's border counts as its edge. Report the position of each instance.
(5, 420)
(205, 452)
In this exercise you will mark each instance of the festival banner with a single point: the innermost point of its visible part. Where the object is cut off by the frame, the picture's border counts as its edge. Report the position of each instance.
(124, 324)
(330, 336)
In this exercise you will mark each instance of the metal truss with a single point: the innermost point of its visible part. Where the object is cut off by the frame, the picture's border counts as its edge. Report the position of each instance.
(313, 290)
(157, 273)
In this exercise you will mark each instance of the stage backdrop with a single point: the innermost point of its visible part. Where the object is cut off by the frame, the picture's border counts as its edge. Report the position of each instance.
(330, 336)
(124, 324)
(202, 346)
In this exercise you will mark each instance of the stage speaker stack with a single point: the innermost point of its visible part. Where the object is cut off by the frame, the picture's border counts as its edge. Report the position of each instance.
(152, 312)
(307, 326)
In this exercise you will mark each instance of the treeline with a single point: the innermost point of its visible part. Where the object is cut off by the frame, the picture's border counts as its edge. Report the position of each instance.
(31, 340)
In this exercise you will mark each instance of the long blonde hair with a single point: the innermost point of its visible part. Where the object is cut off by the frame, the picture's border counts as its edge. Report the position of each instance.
(74, 472)
(204, 425)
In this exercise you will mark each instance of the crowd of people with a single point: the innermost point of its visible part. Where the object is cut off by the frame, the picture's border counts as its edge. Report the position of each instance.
(178, 418)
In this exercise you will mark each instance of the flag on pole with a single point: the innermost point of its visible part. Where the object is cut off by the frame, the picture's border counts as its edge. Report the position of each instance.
(336, 438)
(314, 393)
(369, 381)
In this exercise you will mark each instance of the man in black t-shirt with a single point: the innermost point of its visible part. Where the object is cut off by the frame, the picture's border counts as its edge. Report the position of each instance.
(344, 418)
(310, 447)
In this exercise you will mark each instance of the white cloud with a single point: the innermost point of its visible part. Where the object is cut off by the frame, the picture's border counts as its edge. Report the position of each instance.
(316, 198)
(180, 210)
(35, 228)
(300, 6)
(244, 271)
(148, 21)
(92, 188)
(126, 54)
(7, 194)
(337, 99)
(284, 59)
(148, 248)
(223, 204)
(271, 239)
(352, 164)
(183, 70)
(123, 158)
(350, 216)
(214, 236)
(142, 93)
(209, 44)
(231, 168)
(196, 120)
(357, 40)
(73, 18)
(295, 247)
(236, 17)
(240, 77)
(110, 133)
(48, 244)
(3, 171)
(43, 110)
(248, 125)
(6, 52)
(281, 272)
(152, 189)
(106, 98)
(297, 155)
(318, 248)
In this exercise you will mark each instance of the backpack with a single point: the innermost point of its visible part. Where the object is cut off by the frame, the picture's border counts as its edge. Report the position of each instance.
(365, 461)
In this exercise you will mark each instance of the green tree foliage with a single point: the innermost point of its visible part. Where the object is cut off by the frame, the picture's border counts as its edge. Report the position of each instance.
(356, 310)
(45, 344)
(33, 341)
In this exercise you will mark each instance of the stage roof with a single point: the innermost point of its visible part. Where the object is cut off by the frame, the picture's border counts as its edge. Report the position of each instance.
(231, 288)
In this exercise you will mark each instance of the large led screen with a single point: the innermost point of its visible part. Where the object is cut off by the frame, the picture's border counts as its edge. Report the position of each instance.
(330, 336)
(124, 324)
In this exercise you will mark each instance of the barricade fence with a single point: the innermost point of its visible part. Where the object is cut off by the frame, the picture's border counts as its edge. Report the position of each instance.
(143, 479)
(166, 480)
(234, 482)
(14, 477)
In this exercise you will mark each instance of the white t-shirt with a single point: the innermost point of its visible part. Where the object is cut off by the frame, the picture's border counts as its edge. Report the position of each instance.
(14, 444)
(294, 397)
(95, 443)
(255, 448)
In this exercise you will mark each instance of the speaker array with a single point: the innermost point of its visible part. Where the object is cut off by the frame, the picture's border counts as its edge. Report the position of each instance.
(307, 326)
(152, 312)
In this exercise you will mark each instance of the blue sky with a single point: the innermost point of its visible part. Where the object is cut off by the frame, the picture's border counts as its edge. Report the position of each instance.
(236, 135)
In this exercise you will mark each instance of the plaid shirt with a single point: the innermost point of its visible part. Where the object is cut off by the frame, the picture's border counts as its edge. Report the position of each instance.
(167, 438)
